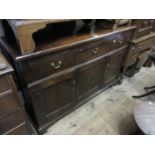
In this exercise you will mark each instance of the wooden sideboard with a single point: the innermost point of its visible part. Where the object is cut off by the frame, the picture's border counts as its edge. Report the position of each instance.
(61, 74)
(13, 119)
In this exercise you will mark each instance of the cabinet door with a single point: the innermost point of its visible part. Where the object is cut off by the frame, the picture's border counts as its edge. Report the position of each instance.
(89, 79)
(52, 98)
(114, 67)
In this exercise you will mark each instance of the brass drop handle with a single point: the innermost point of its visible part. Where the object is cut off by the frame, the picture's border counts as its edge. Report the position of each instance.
(115, 41)
(94, 51)
(120, 41)
(56, 66)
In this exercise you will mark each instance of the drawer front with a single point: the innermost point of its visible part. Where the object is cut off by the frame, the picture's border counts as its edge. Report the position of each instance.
(8, 103)
(137, 49)
(4, 84)
(146, 44)
(103, 46)
(21, 130)
(41, 67)
(11, 121)
(145, 27)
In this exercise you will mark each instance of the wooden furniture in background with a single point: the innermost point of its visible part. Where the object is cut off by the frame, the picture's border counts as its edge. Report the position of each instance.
(68, 67)
(144, 39)
(13, 120)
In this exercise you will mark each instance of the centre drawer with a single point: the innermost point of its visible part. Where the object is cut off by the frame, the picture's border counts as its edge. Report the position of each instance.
(103, 46)
(145, 27)
(145, 44)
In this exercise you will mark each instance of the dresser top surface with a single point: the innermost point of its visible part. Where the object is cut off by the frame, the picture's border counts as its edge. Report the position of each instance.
(5, 67)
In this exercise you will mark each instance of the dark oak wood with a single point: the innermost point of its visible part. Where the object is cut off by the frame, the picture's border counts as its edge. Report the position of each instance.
(144, 39)
(114, 67)
(12, 113)
(57, 96)
(138, 46)
(144, 26)
(61, 75)
(58, 61)
(27, 41)
(88, 79)
(23, 30)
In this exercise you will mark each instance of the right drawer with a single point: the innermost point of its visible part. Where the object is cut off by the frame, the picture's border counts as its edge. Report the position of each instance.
(142, 45)
(103, 46)
(145, 44)
(138, 48)
(145, 27)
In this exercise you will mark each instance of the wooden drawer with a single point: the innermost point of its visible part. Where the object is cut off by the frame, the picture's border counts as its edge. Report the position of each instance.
(144, 27)
(21, 130)
(8, 103)
(103, 46)
(4, 84)
(146, 44)
(11, 121)
(41, 67)
(139, 47)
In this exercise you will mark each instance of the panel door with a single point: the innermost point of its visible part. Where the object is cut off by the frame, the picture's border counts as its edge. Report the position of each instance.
(114, 67)
(89, 78)
(52, 98)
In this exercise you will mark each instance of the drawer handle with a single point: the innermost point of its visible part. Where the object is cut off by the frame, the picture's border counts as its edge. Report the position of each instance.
(94, 51)
(56, 66)
(115, 41)
(121, 41)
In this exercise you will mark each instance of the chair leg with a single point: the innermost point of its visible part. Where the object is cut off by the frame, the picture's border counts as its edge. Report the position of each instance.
(144, 95)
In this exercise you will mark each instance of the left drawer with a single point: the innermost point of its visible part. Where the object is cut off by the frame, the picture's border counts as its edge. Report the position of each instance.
(43, 66)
